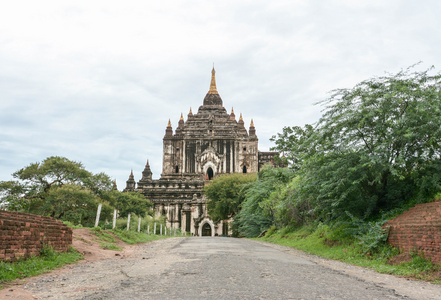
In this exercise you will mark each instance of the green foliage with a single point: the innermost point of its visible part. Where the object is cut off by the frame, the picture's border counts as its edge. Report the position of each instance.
(146, 221)
(376, 148)
(371, 235)
(294, 143)
(47, 261)
(258, 209)
(321, 240)
(132, 237)
(226, 194)
(57, 187)
(72, 203)
(131, 202)
(420, 263)
(106, 239)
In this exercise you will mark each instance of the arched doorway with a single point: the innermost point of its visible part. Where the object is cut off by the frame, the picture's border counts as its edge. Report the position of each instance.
(210, 173)
(244, 169)
(206, 230)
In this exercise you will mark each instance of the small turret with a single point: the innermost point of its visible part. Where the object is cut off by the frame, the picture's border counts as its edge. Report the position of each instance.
(241, 126)
(181, 122)
(130, 184)
(115, 187)
(169, 129)
(232, 115)
(147, 173)
(252, 130)
(190, 114)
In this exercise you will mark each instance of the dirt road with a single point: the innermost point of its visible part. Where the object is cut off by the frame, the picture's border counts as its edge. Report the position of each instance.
(222, 268)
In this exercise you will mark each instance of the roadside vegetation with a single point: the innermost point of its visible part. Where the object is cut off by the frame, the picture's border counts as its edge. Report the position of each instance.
(374, 153)
(50, 259)
(45, 262)
(63, 189)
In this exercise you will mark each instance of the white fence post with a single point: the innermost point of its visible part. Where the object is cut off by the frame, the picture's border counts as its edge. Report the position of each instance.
(98, 213)
(154, 229)
(148, 229)
(139, 224)
(128, 222)
(160, 231)
(115, 212)
(165, 230)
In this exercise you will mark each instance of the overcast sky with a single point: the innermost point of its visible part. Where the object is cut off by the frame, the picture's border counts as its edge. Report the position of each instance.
(97, 81)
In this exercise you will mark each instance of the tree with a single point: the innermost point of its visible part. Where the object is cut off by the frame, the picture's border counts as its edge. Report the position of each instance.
(56, 187)
(377, 146)
(258, 209)
(226, 194)
(294, 143)
(131, 202)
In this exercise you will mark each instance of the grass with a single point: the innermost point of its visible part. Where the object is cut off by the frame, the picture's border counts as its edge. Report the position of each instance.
(326, 243)
(133, 237)
(106, 239)
(45, 262)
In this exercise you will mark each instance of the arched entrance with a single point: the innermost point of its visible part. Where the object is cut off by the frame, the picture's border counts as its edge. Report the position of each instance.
(206, 230)
(210, 173)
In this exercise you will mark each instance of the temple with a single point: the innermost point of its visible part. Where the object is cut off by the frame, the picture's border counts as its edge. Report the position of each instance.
(208, 144)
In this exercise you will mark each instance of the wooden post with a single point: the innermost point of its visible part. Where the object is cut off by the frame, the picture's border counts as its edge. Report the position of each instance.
(154, 229)
(139, 224)
(115, 212)
(98, 215)
(128, 222)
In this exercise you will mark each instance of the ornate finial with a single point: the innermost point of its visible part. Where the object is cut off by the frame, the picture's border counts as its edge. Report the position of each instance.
(169, 123)
(252, 123)
(213, 89)
(240, 119)
(232, 111)
(182, 118)
(190, 113)
(148, 162)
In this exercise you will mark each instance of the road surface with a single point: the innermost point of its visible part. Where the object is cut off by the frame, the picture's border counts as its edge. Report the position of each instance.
(223, 268)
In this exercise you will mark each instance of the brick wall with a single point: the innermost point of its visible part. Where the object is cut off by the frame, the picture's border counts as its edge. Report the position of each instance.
(23, 235)
(418, 229)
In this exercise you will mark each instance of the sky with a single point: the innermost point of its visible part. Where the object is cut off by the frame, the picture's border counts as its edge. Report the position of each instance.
(97, 81)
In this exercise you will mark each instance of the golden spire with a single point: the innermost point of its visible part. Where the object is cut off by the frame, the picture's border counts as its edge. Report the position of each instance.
(169, 123)
(190, 113)
(252, 123)
(213, 89)
(182, 118)
(240, 119)
(232, 111)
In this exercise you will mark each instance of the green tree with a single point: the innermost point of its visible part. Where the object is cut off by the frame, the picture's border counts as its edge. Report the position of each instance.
(259, 208)
(226, 194)
(131, 202)
(56, 187)
(377, 146)
(295, 145)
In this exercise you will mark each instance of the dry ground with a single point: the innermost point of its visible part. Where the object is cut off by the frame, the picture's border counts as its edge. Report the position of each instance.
(87, 244)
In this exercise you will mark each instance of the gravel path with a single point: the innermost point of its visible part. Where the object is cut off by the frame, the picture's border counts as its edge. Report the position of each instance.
(222, 268)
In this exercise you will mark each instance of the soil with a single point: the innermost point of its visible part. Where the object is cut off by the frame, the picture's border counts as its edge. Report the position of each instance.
(84, 242)
(400, 258)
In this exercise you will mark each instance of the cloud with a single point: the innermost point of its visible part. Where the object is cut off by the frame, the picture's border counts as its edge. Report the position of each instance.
(97, 81)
